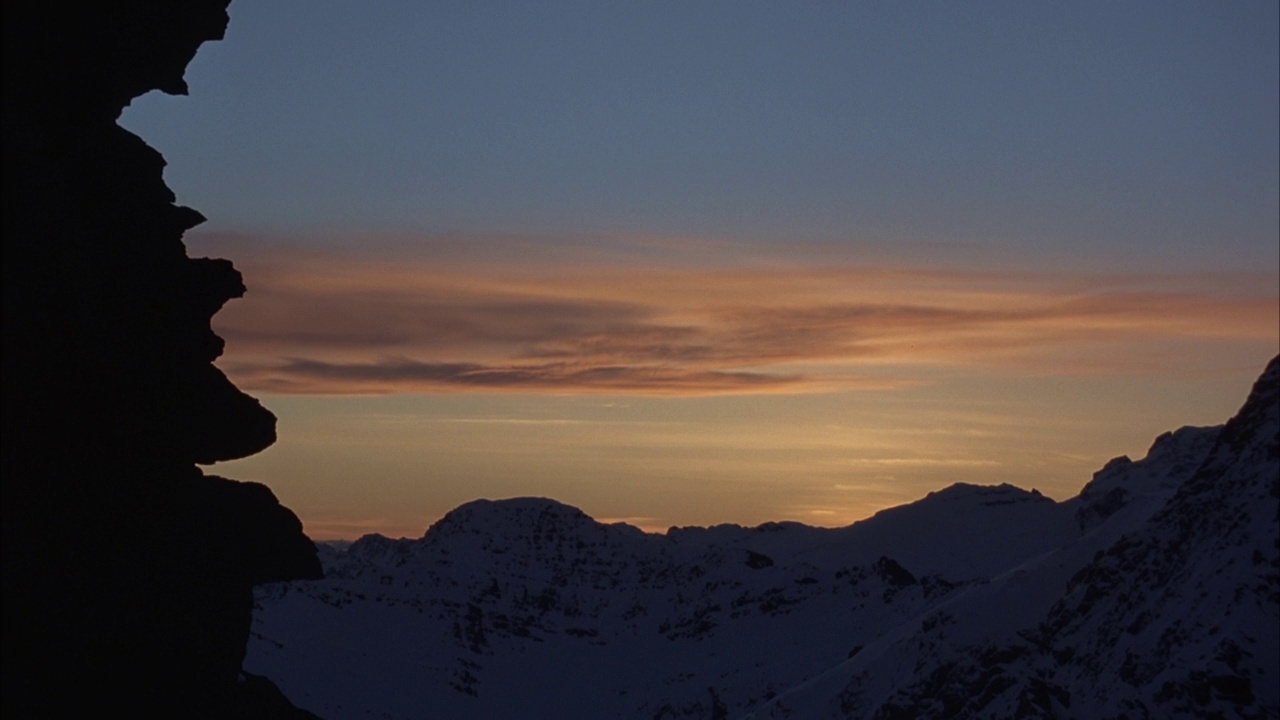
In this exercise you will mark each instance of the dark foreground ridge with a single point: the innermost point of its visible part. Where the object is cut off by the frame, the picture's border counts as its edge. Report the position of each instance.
(128, 573)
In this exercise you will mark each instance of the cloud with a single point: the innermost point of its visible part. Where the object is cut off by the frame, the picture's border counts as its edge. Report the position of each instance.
(328, 322)
(392, 375)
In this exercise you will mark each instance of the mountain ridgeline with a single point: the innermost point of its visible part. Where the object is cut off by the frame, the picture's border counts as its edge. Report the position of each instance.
(1152, 594)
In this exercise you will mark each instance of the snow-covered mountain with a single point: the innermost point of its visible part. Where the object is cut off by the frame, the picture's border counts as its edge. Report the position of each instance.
(1155, 593)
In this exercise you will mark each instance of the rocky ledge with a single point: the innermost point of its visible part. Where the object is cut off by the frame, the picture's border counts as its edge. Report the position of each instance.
(128, 573)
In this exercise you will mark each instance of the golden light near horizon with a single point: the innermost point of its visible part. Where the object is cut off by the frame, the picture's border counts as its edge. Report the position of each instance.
(802, 265)
(342, 324)
(695, 393)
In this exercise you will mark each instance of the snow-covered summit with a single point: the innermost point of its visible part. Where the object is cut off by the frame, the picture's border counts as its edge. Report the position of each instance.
(530, 517)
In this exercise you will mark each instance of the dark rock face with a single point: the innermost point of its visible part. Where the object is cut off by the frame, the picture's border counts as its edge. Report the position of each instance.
(127, 572)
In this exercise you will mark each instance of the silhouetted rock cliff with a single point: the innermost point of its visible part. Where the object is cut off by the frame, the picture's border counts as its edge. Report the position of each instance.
(128, 573)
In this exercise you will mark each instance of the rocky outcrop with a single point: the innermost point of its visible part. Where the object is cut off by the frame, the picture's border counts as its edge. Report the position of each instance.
(128, 573)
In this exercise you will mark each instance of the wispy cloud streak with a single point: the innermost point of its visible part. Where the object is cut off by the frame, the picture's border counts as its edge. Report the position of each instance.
(330, 323)
(315, 376)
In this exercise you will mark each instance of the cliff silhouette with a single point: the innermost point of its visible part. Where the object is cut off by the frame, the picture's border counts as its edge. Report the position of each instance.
(128, 573)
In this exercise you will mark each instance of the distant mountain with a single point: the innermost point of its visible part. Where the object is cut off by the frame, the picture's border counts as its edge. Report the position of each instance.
(1153, 594)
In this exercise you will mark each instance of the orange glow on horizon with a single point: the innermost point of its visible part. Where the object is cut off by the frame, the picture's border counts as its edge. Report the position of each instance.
(327, 323)
(696, 391)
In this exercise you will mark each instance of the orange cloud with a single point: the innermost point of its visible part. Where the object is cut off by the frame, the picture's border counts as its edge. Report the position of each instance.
(544, 321)
(318, 377)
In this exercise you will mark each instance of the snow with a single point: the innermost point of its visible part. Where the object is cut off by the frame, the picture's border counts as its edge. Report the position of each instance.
(1153, 592)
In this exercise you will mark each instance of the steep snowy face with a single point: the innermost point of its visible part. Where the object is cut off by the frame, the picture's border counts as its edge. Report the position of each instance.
(1184, 612)
(1177, 618)
(1173, 458)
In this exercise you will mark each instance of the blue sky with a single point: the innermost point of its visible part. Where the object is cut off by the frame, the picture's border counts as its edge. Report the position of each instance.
(708, 217)
(1092, 132)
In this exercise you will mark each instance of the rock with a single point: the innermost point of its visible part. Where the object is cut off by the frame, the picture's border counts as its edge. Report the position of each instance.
(128, 574)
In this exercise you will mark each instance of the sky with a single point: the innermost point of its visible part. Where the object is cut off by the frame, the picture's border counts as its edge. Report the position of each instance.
(703, 262)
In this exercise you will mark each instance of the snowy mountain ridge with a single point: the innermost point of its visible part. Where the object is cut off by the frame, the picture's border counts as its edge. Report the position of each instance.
(1154, 593)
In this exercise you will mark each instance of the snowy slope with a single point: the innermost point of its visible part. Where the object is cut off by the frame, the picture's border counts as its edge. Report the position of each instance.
(1171, 613)
(528, 608)
(1152, 594)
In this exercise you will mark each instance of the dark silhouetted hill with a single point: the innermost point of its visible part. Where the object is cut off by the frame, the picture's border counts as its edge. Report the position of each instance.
(128, 573)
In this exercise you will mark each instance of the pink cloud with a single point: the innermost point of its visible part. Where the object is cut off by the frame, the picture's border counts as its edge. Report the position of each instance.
(316, 322)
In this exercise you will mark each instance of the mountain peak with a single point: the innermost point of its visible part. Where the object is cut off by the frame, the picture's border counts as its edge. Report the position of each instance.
(1173, 457)
(524, 522)
(520, 515)
(1002, 494)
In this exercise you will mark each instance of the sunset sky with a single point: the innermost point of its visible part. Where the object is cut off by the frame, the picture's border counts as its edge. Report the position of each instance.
(690, 263)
